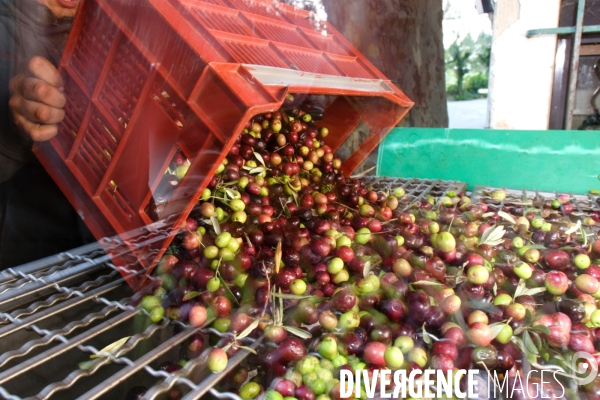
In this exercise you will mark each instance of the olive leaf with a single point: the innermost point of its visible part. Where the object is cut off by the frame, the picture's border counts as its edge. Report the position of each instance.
(519, 330)
(215, 224)
(495, 289)
(518, 342)
(317, 300)
(496, 328)
(536, 246)
(278, 257)
(250, 349)
(487, 215)
(533, 291)
(277, 318)
(507, 217)
(426, 337)
(294, 194)
(280, 309)
(301, 333)
(226, 286)
(532, 358)
(574, 228)
(521, 288)
(232, 193)
(522, 203)
(257, 170)
(111, 348)
(528, 343)
(585, 241)
(272, 304)
(259, 158)
(364, 173)
(89, 364)
(492, 236)
(537, 341)
(568, 248)
(558, 357)
(528, 317)
(190, 296)
(541, 328)
(367, 269)
(248, 329)
(427, 283)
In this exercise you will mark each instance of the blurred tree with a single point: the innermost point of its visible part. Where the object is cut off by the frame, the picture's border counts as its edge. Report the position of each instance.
(468, 65)
(483, 52)
(458, 59)
(315, 6)
(308, 5)
(403, 38)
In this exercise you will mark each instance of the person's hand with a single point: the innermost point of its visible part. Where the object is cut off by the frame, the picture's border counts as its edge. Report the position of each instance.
(37, 100)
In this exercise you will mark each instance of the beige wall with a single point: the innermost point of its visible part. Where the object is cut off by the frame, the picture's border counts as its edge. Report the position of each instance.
(522, 69)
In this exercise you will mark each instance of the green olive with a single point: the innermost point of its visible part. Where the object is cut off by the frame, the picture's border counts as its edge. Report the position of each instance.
(157, 314)
(150, 302)
(250, 391)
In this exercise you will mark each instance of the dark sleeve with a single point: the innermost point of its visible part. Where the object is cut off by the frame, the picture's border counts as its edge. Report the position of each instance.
(15, 150)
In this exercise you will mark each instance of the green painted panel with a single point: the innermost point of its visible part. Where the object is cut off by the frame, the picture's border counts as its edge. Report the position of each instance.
(565, 161)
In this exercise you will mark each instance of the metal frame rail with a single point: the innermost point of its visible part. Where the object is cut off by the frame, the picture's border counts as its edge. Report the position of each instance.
(577, 30)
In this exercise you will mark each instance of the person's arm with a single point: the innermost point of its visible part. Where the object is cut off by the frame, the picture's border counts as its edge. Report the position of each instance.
(31, 102)
(14, 149)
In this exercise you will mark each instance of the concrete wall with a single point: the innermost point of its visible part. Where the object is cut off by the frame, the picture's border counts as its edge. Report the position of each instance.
(522, 69)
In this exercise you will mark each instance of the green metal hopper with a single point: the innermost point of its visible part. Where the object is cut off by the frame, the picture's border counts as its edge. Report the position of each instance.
(564, 161)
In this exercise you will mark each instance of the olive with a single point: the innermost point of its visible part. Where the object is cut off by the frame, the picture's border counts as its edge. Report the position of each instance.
(574, 309)
(505, 360)
(488, 356)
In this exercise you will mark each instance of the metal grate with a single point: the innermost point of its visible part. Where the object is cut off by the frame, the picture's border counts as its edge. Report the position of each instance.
(56, 312)
(415, 189)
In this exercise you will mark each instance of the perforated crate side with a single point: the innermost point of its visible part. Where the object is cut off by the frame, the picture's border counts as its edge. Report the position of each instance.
(167, 48)
(94, 33)
(239, 26)
(75, 109)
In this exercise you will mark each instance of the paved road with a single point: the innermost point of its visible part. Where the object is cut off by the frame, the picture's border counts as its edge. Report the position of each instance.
(468, 114)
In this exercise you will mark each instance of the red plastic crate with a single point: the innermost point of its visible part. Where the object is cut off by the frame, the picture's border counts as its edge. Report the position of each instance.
(146, 79)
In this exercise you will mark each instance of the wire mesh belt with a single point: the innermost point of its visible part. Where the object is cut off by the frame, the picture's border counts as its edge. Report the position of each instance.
(415, 189)
(57, 312)
(583, 205)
